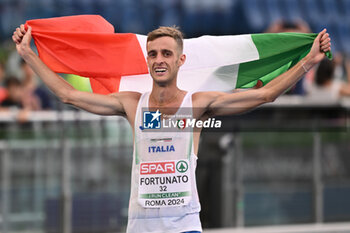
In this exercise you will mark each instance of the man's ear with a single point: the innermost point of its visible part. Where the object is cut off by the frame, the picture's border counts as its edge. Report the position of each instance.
(182, 59)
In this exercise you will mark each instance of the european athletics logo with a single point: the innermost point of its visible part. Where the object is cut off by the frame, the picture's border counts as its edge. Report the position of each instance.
(151, 120)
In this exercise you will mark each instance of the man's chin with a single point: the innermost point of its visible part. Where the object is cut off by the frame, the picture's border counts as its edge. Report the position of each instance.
(161, 81)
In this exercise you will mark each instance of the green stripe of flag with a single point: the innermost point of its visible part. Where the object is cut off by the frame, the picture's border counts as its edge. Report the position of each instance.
(278, 52)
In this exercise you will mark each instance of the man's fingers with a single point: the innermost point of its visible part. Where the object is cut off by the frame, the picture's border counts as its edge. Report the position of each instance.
(17, 35)
(22, 28)
(326, 48)
(324, 36)
(21, 33)
(325, 41)
(29, 31)
(325, 45)
(321, 34)
(18, 32)
(16, 38)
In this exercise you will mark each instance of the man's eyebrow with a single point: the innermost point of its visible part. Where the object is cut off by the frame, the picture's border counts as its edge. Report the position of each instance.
(151, 51)
(166, 50)
(162, 51)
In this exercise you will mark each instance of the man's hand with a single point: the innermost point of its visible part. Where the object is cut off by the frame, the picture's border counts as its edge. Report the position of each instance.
(22, 39)
(322, 44)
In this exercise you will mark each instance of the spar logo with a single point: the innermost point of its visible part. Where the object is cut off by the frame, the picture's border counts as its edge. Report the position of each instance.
(163, 167)
(182, 166)
(157, 168)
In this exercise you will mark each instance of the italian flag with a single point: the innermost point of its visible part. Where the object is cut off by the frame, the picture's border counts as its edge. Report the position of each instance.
(87, 46)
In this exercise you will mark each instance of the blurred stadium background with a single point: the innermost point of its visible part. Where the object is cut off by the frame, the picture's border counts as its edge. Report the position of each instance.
(69, 171)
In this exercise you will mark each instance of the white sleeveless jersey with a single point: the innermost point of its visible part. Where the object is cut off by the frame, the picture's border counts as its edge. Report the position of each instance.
(163, 186)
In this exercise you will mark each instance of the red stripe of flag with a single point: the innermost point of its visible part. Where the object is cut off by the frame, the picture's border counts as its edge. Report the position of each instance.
(86, 45)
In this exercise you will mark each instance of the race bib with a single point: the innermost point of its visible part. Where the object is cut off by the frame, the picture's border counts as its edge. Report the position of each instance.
(164, 183)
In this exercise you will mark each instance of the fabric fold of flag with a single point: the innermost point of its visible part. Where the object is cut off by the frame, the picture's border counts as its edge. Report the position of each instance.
(86, 45)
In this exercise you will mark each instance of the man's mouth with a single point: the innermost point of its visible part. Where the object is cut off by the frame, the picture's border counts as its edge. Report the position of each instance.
(160, 70)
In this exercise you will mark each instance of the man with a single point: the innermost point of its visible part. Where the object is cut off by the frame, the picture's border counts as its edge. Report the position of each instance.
(148, 210)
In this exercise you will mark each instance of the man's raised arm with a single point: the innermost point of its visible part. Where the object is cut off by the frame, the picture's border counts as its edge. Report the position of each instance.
(95, 103)
(218, 103)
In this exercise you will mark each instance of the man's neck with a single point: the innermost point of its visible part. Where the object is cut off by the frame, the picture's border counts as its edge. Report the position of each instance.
(162, 96)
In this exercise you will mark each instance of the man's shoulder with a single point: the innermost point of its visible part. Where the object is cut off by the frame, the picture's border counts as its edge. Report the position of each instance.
(129, 100)
(204, 97)
(128, 95)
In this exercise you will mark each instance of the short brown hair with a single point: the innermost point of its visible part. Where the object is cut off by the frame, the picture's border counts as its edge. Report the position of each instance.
(173, 32)
(324, 72)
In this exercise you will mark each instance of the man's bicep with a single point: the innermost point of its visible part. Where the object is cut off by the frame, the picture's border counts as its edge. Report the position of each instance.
(237, 102)
(97, 103)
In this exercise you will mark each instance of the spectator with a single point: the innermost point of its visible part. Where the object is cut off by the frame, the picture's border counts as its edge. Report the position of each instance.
(14, 93)
(32, 85)
(17, 97)
(328, 87)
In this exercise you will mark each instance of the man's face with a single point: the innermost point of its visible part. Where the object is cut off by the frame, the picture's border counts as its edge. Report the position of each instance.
(164, 59)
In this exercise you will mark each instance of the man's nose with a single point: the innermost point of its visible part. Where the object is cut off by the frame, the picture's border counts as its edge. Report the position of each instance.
(159, 59)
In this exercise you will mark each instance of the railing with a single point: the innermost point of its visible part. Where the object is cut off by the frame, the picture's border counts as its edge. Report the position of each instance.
(63, 153)
(288, 115)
